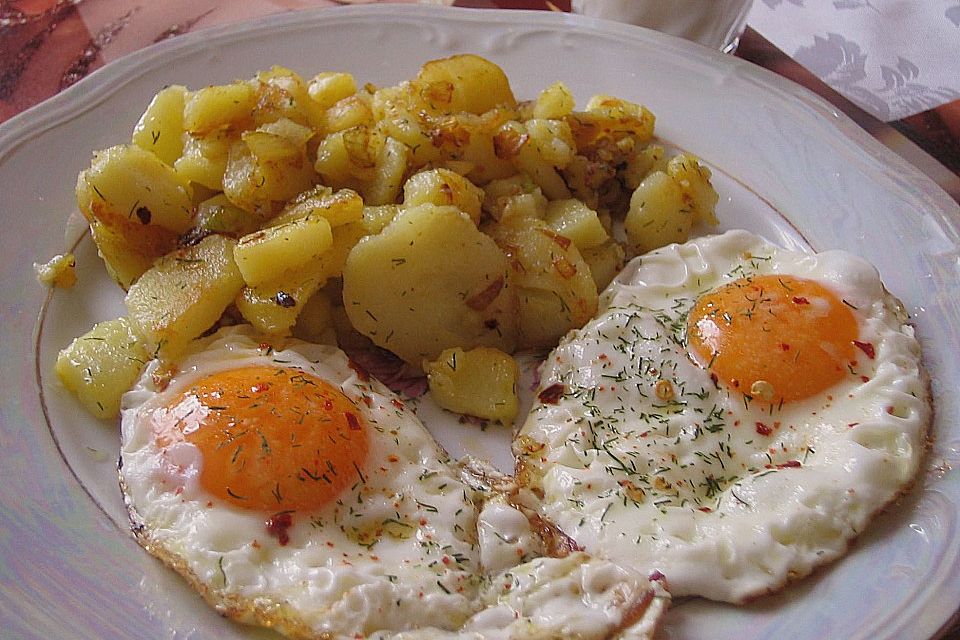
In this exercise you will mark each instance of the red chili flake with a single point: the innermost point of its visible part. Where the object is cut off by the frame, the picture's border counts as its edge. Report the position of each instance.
(890, 410)
(260, 387)
(263, 346)
(784, 346)
(656, 575)
(393, 458)
(865, 378)
(763, 429)
(789, 464)
(398, 403)
(705, 509)
(552, 394)
(852, 424)
(867, 348)
(279, 525)
(446, 560)
(352, 421)
(644, 434)
(715, 380)
(800, 300)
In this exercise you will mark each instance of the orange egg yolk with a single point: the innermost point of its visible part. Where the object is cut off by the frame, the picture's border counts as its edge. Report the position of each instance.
(773, 338)
(271, 438)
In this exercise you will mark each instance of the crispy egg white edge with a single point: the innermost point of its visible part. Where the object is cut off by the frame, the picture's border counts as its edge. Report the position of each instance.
(286, 613)
(755, 544)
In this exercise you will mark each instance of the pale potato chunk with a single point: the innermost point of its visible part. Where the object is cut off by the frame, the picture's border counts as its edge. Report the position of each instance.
(204, 158)
(575, 220)
(59, 271)
(315, 321)
(391, 167)
(101, 365)
(430, 281)
(219, 215)
(184, 294)
(274, 308)
(128, 252)
(475, 84)
(127, 184)
(694, 179)
(228, 106)
(281, 140)
(330, 87)
(352, 111)
(160, 128)
(444, 187)
(659, 214)
(265, 254)
(555, 289)
(481, 382)
(283, 94)
(555, 101)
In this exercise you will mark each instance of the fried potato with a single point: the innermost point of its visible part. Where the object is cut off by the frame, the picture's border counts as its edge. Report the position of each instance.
(160, 128)
(101, 365)
(480, 382)
(554, 287)
(183, 295)
(659, 213)
(428, 282)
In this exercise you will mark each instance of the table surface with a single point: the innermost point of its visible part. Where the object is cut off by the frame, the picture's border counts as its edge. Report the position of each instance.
(48, 45)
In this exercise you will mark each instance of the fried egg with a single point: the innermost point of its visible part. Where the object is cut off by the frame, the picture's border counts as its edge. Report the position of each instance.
(297, 493)
(734, 415)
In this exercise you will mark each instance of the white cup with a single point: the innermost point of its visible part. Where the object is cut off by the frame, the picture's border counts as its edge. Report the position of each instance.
(715, 23)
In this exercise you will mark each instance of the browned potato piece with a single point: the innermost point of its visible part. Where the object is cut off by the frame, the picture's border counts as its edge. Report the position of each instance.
(481, 382)
(183, 295)
(444, 187)
(430, 281)
(467, 82)
(555, 289)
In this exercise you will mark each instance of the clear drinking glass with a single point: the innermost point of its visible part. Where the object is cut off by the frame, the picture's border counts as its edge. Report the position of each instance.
(714, 23)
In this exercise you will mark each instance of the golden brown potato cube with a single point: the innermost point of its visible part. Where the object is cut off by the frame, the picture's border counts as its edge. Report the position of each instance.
(467, 82)
(642, 163)
(376, 218)
(443, 187)
(160, 128)
(184, 294)
(389, 172)
(204, 159)
(264, 255)
(348, 158)
(216, 107)
(659, 214)
(127, 184)
(555, 289)
(694, 179)
(101, 365)
(610, 119)
(351, 111)
(283, 94)
(262, 186)
(274, 306)
(430, 281)
(280, 141)
(575, 220)
(481, 382)
(555, 101)
(338, 208)
(330, 87)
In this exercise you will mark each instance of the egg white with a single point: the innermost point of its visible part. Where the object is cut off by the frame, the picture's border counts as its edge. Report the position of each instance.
(325, 582)
(688, 486)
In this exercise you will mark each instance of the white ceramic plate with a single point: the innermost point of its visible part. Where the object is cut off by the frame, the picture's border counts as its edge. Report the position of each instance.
(788, 166)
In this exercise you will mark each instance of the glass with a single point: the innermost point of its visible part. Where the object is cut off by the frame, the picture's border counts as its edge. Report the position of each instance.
(714, 23)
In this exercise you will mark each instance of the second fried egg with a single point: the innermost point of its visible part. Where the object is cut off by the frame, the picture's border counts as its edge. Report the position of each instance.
(734, 415)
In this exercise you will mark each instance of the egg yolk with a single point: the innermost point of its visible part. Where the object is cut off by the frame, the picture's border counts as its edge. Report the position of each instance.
(271, 438)
(773, 338)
